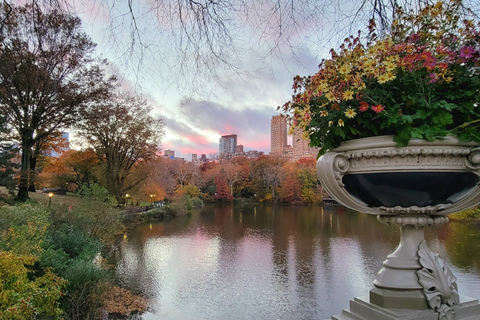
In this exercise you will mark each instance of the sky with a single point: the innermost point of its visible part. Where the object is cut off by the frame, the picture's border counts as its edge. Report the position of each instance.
(197, 108)
(199, 98)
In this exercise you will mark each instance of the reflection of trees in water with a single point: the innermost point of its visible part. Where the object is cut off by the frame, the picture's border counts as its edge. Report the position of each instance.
(304, 252)
(462, 243)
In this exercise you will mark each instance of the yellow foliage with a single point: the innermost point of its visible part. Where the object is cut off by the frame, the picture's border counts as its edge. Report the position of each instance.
(21, 298)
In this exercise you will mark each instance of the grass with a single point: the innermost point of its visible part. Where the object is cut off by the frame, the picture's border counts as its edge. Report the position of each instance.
(58, 202)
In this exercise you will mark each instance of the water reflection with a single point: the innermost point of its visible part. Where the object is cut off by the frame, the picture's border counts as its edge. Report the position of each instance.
(255, 262)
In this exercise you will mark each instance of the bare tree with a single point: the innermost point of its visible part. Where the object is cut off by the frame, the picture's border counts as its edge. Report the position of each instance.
(203, 39)
(162, 174)
(273, 177)
(182, 171)
(233, 173)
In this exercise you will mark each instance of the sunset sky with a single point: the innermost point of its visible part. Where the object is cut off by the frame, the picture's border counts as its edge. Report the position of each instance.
(198, 111)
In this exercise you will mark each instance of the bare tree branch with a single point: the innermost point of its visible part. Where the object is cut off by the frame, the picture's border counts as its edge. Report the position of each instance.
(188, 43)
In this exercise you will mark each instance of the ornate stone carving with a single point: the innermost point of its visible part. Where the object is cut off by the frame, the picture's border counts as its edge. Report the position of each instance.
(438, 282)
(415, 209)
(380, 155)
(473, 160)
(417, 221)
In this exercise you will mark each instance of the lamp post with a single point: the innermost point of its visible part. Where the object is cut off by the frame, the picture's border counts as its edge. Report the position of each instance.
(126, 199)
(50, 195)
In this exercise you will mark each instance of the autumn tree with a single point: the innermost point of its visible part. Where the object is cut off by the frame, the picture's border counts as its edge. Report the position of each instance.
(75, 167)
(268, 173)
(182, 171)
(149, 191)
(46, 74)
(44, 148)
(291, 189)
(209, 171)
(124, 134)
(84, 165)
(221, 193)
(232, 172)
(307, 176)
(161, 174)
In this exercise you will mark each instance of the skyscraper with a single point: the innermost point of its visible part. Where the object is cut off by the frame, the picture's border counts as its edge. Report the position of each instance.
(300, 147)
(227, 144)
(278, 134)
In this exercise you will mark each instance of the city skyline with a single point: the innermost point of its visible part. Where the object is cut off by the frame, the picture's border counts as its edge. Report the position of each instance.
(228, 145)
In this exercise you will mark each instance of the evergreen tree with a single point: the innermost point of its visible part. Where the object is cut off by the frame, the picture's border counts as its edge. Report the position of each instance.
(7, 152)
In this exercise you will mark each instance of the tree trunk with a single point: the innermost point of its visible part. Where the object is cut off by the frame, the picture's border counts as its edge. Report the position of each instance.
(32, 177)
(22, 194)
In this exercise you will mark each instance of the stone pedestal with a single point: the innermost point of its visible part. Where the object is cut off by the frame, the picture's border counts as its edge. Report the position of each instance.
(414, 282)
(413, 187)
(361, 309)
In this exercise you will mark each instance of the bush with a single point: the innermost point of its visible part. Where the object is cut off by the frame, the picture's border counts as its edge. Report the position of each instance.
(23, 228)
(74, 242)
(25, 294)
(65, 247)
(96, 192)
(183, 204)
(97, 219)
(70, 254)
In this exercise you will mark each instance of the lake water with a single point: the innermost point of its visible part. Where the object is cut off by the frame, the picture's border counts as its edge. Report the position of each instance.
(261, 262)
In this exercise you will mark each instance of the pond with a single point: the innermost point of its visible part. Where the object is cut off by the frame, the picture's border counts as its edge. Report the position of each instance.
(263, 262)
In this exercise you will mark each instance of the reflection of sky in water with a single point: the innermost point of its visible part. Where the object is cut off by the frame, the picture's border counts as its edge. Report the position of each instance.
(261, 265)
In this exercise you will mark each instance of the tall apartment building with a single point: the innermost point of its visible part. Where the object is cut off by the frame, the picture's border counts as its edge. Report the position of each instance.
(300, 147)
(278, 134)
(227, 144)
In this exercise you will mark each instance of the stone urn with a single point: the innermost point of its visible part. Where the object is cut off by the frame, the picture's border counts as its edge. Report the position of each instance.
(413, 187)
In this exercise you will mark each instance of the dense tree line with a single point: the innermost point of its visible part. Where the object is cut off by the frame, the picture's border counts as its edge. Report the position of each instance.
(266, 179)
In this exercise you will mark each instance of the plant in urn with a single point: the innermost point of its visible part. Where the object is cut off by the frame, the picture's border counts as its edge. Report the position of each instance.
(397, 124)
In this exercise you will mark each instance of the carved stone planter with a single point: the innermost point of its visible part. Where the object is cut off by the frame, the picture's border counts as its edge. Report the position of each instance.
(414, 187)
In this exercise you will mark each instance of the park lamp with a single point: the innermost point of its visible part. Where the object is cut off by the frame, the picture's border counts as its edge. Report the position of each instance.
(50, 195)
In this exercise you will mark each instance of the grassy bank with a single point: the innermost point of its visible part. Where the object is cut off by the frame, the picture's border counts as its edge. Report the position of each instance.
(49, 266)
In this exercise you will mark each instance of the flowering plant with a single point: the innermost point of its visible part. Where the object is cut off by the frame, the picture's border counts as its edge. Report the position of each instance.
(421, 80)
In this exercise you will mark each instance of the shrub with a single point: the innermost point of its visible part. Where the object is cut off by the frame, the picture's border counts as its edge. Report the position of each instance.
(23, 228)
(469, 214)
(70, 254)
(96, 192)
(97, 219)
(23, 293)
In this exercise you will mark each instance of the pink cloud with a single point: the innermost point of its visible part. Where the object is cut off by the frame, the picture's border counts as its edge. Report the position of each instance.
(167, 145)
(262, 145)
(198, 151)
(197, 139)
